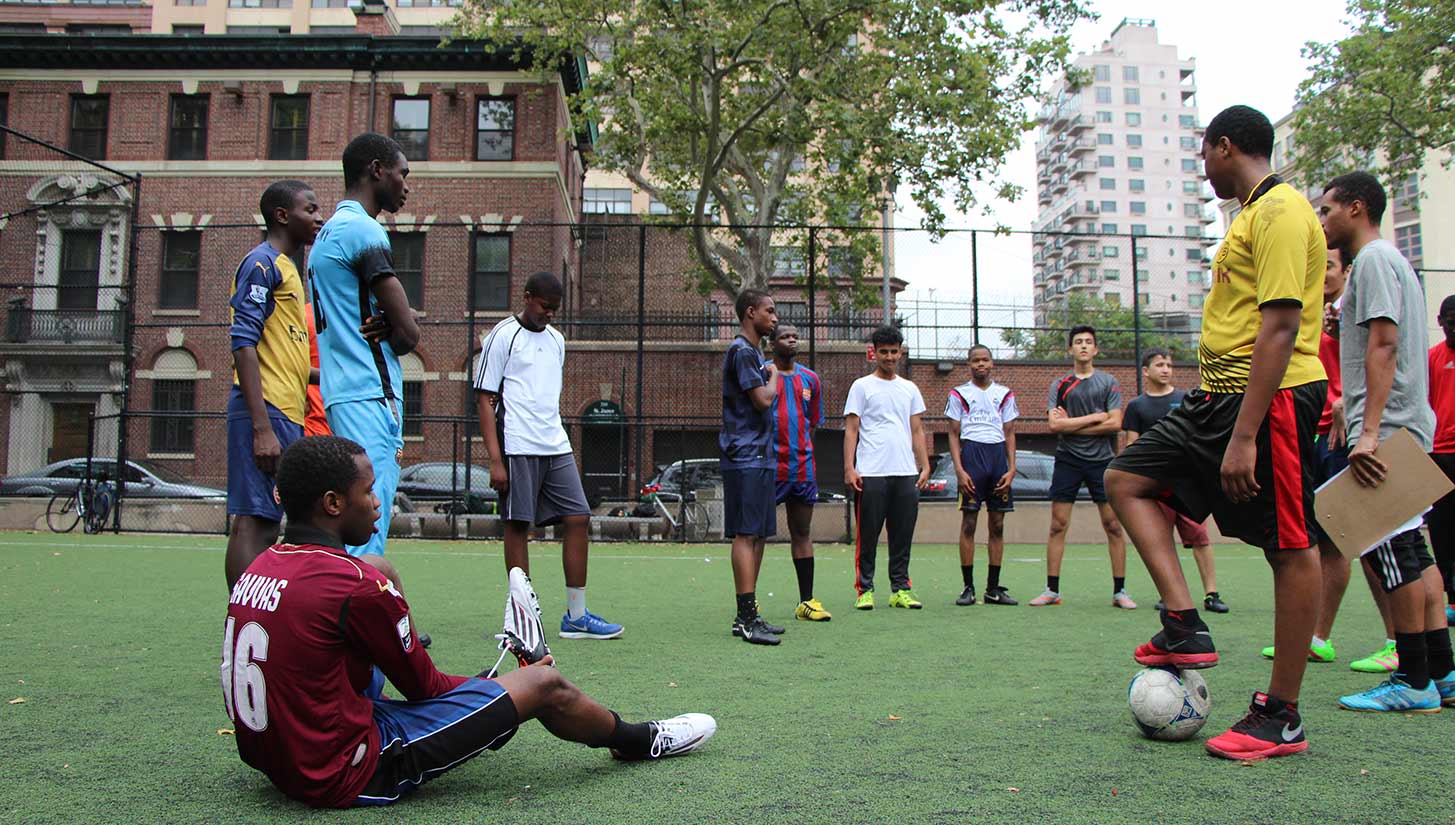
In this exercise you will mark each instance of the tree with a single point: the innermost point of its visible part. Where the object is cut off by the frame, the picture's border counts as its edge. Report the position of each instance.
(1115, 326)
(781, 112)
(1386, 92)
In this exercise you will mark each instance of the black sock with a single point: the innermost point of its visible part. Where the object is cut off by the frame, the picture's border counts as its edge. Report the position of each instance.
(967, 572)
(1118, 584)
(1185, 621)
(1053, 584)
(804, 569)
(747, 605)
(992, 580)
(1437, 653)
(632, 740)
(1414, 667)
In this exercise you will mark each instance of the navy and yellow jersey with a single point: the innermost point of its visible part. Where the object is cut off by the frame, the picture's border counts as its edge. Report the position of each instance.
(267, 313)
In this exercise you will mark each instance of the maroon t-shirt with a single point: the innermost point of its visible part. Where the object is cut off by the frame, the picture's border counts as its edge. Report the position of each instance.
(305, 625)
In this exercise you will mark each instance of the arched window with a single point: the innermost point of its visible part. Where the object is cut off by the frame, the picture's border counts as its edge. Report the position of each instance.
(174, 402)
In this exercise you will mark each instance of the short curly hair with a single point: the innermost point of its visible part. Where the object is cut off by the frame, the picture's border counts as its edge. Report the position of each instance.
(311, 467)
(886, 336)
(1244, 127)
(1359, 186)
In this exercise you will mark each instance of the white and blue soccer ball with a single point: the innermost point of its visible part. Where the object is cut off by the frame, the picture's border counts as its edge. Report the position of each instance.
(1168, 704)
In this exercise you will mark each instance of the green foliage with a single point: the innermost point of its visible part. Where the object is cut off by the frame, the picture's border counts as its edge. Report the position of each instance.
(1115, 332)
(777, 112)
(1384, 96)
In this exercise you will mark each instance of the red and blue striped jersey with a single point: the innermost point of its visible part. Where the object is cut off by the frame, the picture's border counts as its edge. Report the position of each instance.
(797, 410)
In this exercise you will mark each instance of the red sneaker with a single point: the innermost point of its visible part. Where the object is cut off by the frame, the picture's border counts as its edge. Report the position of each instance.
(1193, 651)
(1271, 728)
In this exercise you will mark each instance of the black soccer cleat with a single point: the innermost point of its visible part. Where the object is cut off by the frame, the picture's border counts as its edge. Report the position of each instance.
(754, 631)
(997, 595)
(967, 596)
(1178, 645)
(1214, 603)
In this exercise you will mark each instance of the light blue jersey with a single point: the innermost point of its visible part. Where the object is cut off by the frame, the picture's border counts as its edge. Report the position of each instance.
(352, 251)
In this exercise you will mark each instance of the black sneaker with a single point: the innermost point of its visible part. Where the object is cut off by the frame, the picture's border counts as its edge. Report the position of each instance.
(754, 631)
(1178, 645)
(1271, 728)
(968, 596)
(1215, 603)
(997, 595)
(776, 630)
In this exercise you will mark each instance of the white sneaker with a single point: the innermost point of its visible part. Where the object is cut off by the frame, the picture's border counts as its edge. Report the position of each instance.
(681, 734)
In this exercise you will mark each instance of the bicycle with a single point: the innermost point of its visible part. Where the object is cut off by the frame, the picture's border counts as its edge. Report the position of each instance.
(89, 502)
(693, 525)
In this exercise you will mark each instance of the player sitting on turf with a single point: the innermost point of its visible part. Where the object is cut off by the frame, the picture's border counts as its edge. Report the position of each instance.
(1142, 414)
(308, 623)
(1241, 445)
(797, 410)
(1383, 349)
(270, 341)
(518, 384)
(982, 445)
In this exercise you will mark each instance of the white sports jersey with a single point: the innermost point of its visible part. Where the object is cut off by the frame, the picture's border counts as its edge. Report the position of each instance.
(982, 414)
(525, 368)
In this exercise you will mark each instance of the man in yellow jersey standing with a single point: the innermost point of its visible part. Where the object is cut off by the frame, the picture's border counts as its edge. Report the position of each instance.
(1241, 446)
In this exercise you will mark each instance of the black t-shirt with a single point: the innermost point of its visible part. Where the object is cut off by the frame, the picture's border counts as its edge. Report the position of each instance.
(1144, 411)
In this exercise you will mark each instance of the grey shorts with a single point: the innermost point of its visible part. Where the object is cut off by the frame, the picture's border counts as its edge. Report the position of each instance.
(543, 489)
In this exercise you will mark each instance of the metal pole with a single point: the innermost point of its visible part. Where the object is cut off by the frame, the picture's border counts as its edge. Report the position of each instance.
(128, 353)
(884, 257)
(812, 296)
(1136, 318)
(641, 338)
(974, 287)
(470, 298)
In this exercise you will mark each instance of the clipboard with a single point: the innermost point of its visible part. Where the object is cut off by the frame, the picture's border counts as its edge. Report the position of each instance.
(1357, 518)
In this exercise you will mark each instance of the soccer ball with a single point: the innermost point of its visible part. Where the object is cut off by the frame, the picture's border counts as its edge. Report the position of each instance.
(1168, 704)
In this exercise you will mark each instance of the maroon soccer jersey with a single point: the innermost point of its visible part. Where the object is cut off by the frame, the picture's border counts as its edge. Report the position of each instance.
(1442, 396)
(305, 625)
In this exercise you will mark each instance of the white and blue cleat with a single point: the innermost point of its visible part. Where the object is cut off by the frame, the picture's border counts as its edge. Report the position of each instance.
(589, 626)
(1394, 696)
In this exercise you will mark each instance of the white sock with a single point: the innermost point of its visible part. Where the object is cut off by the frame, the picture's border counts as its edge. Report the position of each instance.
(575, 602)
(1316, 642)
(1389, 641)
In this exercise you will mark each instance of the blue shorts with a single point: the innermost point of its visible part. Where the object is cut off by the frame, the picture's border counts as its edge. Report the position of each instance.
(748, 508)
(987, 465)
(1327, 464)
(420, 740)
(249, 490)
(801, 491)
(1070, 472)
(377, 429)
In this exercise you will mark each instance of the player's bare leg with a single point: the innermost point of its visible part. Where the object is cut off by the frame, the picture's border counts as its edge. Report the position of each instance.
(248, 537)
(1381, 600)
(969, 520)
(800, 528)
(1056, 541)
(1134, 498)
(1116, 540)
(575, 546)
(1203, 555)
(1297, 589)
(1334, 569)
(517, 545)
(995, 538)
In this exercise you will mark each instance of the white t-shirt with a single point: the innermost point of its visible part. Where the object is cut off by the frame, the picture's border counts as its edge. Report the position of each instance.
(982, 414)
(884, 409)
(525, 368)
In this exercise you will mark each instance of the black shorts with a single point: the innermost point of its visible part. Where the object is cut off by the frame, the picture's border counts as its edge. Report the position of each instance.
(1071, 472)
(1400, 561)
(748, 507)
(1185, 452)
(987, 465)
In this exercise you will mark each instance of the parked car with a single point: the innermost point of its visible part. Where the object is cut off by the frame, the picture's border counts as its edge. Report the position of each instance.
(693, 474)
(440, 486)
(1032, 480)
(143, 480)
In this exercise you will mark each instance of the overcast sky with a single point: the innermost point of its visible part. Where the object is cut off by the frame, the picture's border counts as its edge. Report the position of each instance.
(1247, 52)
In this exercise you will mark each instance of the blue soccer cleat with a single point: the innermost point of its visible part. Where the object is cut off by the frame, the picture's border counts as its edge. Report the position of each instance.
(1393, 695)
(1446, 686)
(589, 626)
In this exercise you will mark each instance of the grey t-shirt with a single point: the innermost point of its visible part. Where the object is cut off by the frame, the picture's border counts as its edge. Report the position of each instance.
(1383, 285)
(1098, 392)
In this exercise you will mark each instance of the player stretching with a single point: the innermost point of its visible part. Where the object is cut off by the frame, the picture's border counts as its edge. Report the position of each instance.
(746, 444)
(1085, 413)
(265, 410)
(364, 321)
(1441, 518)
(797, 412)
(1383, 358)
(1142, 414)
(983, 449)
(884, 441)
(307, 625)
(522, 365)
(1241, 445)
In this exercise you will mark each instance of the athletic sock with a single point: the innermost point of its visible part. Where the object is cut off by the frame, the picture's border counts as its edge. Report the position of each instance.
(1317, 642)
(747, 605)
(1053, 584)
(804, 569)
(1437, 653)
(1414, 668)
(967, 572)
(1118, 584)
(1182, 622)
(992, 580)
(575, 602)
(631, 739)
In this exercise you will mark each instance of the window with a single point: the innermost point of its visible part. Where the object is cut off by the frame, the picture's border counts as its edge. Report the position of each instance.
(331, 4)
(1109, 228)
(1194, 254)
(1195, 300)
(1108, 184)
(1191, 232)
(1102, 74)
(411, 374)
(1134, 141)
(495, 128)
(98, 28)
(1103, 117)
(1113, 298)
(789, 262)
(340, 30)
(1144, 299)
(1132, 97)
(1409, 241)
(187, 139)
(1187, 121)
(411, 126)
(1139, 229)
(1189, 164)
(1111, 274)
(1134, 119)
(1106, 161)
(1139, 207)
(263, 30)
(189, 31)
(407, 249)
(181, 259)
(89, 117)
(1129, 74)
(1104, 139)
(173, 433)
(422, 3)
(1134, 162)
(80, 273)
(492, 271)
(288, 135)
(1191, 210)
(1110, 251)
(1137, 185)
(656, 207)
(1108, 206)
(260, 4)
(596, 201)
(1190, 187)
(1103, 94)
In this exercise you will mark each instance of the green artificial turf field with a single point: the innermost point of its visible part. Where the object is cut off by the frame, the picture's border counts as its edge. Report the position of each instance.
(947, 714)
